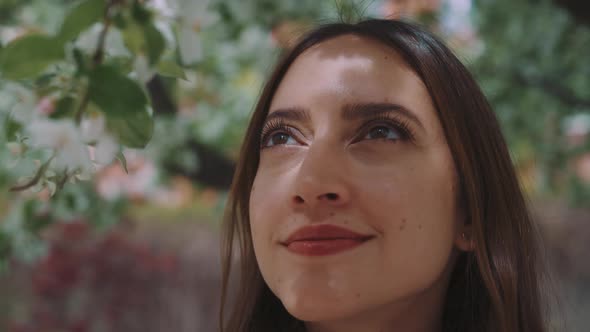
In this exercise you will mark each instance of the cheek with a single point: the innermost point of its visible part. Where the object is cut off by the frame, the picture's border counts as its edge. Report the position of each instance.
(264, 212)
(258, 204)
(415, 214)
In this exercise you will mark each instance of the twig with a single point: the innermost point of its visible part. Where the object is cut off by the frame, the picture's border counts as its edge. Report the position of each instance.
(35, 179)
(83, 105)
(97, 58)
(99, 52)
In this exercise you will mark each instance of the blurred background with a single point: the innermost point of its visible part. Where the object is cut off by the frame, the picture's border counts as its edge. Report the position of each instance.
(133, 246)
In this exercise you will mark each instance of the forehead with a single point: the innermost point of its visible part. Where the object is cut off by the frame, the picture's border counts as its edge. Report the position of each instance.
(345, 69)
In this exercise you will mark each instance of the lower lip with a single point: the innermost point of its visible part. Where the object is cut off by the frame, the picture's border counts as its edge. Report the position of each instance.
(323, 247)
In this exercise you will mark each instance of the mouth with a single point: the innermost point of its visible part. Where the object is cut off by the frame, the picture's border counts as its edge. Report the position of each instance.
(324, 239)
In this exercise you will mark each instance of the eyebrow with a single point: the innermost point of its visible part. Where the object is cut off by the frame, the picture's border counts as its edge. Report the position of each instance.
(290, 113)
(350, 112)
(359, 111)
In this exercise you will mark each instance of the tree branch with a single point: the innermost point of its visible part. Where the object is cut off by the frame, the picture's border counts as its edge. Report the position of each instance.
(97, 58)
(31, 183)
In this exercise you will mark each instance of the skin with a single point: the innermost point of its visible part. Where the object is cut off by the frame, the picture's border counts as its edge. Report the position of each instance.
(366, 176)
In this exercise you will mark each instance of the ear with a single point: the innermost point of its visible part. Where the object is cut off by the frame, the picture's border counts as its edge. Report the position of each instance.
(464, 237)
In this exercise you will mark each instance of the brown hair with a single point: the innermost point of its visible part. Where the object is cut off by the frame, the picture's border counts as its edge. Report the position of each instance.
(495, 288)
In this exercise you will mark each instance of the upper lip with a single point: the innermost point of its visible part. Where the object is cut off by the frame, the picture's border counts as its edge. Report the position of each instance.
(324, 232)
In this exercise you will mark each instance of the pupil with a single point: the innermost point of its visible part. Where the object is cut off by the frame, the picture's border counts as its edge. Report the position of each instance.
(280, 138)
(379, 132)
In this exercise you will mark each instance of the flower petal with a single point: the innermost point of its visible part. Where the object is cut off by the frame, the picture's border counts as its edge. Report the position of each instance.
(106, 150)
(190, 46)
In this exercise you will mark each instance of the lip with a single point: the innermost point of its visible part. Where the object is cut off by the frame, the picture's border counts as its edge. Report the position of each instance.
(324, 239)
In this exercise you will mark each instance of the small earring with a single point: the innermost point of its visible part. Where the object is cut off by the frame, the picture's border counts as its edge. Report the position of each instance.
(463, 235)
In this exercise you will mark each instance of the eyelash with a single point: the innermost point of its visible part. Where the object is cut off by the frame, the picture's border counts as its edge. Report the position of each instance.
(274, 127)
(395, 123)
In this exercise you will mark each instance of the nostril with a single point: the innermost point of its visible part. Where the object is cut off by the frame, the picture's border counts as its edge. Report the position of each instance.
(298, 199)
(332, 196)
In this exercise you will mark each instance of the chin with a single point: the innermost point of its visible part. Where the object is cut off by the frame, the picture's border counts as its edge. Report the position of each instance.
(312, 313)
(314, 308)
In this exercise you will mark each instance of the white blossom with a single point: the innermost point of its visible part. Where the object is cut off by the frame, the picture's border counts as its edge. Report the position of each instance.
(194, 16)
(92, 127)
(164, 8)
(113, 182)
(93, 131)
(142, 69)
(17, 150)
(24, 103)
(11, 33)
(114, 44)
(106, 150)
(63, 137)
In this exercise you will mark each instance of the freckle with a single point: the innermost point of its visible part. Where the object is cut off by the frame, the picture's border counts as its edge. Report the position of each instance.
(419, 226)
(331, 214)
(358, 295)
(403, 225)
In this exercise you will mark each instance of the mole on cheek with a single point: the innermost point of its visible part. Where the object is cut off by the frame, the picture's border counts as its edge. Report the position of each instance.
(403, 225)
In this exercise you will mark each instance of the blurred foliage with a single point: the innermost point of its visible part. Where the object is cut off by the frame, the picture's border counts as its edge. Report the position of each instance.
(535, 71)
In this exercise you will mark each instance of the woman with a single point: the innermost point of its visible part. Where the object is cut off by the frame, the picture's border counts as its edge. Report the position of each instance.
(375, 192)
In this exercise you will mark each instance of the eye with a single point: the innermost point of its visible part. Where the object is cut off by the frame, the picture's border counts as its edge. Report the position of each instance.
(382, 132)
(276, 133)
(279, 138)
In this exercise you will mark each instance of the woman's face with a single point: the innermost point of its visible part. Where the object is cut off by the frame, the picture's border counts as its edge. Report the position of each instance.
(352, 139)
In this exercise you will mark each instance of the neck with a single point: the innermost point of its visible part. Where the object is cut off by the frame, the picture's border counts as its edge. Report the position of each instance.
(420, 312)
(412, 318)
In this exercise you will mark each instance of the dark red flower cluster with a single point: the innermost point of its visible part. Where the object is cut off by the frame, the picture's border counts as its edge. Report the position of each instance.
(90, 279)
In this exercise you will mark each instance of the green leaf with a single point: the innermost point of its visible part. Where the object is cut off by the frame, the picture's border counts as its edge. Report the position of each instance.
(133, 130)
(11, 128)
(140, 13)
(29, 56)
(155, 43)
(81, 17)
(82, 63)
(145, 39)
(5, 246)
(65, 107)
(121, 157)
(134, 38)
(170, 69)
(114, 93)
(44, 80)
(34, 222)
(120, 21)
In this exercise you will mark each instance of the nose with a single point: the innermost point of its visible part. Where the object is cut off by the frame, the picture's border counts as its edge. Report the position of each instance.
(321, 180)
